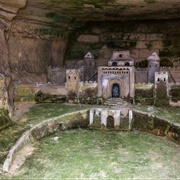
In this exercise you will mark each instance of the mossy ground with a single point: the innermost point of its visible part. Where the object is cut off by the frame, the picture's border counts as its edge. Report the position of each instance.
(40, 112)
(36, 114)
(170, 114)
(80, 154)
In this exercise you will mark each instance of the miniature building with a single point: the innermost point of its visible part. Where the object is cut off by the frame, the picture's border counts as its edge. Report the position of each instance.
(73, 81)
(121, 118)
(121, 58)
(161, 76)
(89, 67)
(117, 79)
(153, 66)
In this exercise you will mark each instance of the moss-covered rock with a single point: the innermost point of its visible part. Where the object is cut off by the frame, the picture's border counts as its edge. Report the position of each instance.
(161, 98)
(42, 97)
(4, 118)
(175, 93)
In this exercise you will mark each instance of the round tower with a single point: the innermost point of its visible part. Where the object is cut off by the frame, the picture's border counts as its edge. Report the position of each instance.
(153, 66)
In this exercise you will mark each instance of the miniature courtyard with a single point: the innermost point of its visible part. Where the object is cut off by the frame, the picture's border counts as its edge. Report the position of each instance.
(124, 154)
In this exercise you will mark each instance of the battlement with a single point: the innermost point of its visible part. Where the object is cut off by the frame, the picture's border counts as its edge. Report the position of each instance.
(161, 76)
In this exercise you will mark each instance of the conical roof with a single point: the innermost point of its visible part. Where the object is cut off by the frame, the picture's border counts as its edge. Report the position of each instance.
(153, 57)
(89, 55)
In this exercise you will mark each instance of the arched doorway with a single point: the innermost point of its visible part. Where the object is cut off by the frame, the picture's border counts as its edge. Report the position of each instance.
(127, 64)
(115, 91)
(110, 122)
(114, 64)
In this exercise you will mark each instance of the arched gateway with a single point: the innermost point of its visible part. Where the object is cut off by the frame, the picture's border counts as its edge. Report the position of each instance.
(115, 91)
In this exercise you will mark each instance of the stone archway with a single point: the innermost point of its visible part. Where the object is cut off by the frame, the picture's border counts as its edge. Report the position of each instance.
(115, 91)
(110, 122)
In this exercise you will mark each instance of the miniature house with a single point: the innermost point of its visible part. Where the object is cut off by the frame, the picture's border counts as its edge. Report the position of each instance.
(117, 79)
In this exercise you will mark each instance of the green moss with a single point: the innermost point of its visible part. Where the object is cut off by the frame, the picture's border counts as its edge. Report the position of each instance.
(81, 154)
(161, 98)
(58, 18)
(149, 45)
(141, 64)
(4, 118)
(166, 62)
(41, 97)
(175, 93)
(50, 31)
(144, 93)
(167, 42)
(173, 52)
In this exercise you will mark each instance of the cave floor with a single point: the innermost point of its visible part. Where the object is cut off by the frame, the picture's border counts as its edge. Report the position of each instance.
(33, 113)
(84, 154)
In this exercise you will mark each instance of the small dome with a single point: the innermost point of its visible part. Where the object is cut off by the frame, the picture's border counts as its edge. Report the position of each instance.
(153, 57)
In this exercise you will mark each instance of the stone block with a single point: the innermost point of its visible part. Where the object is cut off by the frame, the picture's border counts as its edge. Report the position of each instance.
(135, 53)
(96, 31)
(126, 36)
(140, 37)
(141, 44)
(154, 37)
(88, 38)
(157, 44)
(145, 53)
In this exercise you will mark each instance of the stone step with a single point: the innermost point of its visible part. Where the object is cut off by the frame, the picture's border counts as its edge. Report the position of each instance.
(115, 102)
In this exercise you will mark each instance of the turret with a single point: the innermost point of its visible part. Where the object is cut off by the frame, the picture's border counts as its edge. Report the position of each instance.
(153, 66)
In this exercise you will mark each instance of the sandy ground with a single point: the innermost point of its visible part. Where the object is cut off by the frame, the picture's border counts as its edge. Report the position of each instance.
(21, 108)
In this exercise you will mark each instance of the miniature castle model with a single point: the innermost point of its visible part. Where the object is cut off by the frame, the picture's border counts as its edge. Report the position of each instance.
(117, 79)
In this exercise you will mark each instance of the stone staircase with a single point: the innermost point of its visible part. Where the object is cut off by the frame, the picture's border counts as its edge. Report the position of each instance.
(115, 102)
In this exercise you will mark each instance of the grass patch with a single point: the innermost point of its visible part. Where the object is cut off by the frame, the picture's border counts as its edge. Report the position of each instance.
(80, 154)
(36, 114)
(170, 114)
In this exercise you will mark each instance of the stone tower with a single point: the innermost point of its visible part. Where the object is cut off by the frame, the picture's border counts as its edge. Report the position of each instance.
(153, 66)
(72, 81)
(89, 67)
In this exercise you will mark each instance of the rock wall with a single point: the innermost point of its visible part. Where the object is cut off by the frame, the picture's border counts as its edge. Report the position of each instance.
(141, 37)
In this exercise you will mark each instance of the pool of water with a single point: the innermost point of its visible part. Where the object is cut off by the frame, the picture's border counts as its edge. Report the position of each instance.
(97, 154)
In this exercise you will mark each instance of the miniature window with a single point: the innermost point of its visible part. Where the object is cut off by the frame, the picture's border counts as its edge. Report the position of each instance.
(120, 55)
(114, 64)
(74, 78)
(69, 77)
(164, 79)
(90, 64)
(127, 64)
(158, 79)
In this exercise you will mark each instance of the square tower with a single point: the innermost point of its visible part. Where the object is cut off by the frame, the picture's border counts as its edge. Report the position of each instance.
(73, 81)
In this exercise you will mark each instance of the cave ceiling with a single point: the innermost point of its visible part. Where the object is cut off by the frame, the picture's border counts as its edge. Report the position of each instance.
(30, 16)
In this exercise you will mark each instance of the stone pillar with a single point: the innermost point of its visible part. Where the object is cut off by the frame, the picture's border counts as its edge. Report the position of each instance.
(153, 66)
(104, 115)
(91, 116)
(99, 82)
(131, 82)
(117, 118)
(130, 119)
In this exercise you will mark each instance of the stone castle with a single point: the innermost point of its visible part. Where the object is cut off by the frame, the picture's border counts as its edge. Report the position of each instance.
(86, 82)
(119, 78)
